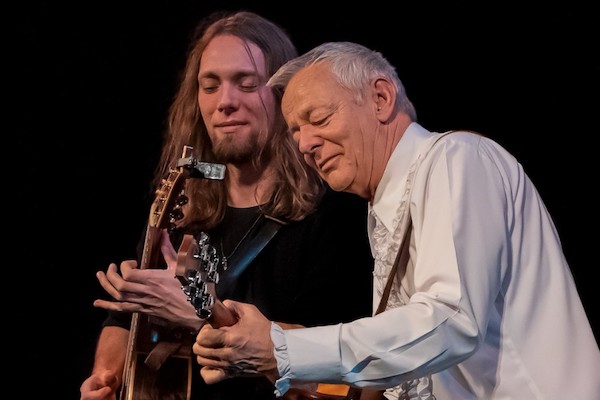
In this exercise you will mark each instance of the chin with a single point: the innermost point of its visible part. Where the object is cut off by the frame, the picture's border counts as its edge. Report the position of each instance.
(334, 184)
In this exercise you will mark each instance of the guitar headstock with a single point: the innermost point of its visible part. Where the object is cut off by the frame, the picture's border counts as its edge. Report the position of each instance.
(197, 270)
(165, 210)
(169, 197)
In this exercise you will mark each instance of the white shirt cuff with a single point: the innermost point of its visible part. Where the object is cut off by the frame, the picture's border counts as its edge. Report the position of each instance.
(280, 350)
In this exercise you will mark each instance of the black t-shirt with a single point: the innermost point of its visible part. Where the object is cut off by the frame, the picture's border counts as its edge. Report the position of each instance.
(314, 272)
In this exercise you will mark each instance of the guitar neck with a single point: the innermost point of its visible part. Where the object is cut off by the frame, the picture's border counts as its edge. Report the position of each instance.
(151, 255)
(221, 315)
(139, 381)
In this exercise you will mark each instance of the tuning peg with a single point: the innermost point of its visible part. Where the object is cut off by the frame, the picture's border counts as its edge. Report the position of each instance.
(182, 200)
(176, 214)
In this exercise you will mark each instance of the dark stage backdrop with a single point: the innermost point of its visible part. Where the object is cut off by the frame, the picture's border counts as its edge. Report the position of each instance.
(94, 81)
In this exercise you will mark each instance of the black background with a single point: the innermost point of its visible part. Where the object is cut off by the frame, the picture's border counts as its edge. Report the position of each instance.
(93, 82)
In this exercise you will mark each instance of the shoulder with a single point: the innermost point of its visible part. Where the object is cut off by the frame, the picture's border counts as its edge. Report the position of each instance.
(459, 136)
(471, 155)
(466, 142)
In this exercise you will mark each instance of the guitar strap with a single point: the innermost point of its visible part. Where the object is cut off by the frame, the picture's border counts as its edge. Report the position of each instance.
(401, 261)
(249, 249)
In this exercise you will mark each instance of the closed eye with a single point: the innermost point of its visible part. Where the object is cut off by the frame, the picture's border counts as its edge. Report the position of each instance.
(209, 85)
(248, 82)
(249, 88)
(319, 121)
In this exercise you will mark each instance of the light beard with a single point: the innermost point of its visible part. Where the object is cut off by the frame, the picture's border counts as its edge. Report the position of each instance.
(232, 151)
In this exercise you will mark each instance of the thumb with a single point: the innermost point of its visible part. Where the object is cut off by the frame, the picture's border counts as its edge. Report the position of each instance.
(238, 308)
(212, 375)
(109, 379)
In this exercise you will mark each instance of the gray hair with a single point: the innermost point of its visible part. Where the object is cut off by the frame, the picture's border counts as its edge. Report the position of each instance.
(354, 67)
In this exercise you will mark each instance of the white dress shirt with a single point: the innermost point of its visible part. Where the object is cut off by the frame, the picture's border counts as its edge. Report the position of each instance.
(488, 306)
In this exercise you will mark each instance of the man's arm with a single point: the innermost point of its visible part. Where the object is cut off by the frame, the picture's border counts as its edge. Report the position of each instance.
(111, 350)
(109, 362)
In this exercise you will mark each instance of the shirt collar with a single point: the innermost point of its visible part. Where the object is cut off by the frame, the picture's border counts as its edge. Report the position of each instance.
(390, 188)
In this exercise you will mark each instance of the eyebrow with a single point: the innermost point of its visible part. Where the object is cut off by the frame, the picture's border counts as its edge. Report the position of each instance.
(236, 76)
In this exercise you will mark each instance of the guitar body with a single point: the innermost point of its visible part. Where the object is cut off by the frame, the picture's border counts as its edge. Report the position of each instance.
(172, 379)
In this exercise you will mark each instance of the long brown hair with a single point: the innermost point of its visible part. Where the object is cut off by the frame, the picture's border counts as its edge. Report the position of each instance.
(297, 187)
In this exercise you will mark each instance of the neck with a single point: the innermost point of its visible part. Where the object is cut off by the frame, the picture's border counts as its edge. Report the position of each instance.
(384, 147)
(248, 186)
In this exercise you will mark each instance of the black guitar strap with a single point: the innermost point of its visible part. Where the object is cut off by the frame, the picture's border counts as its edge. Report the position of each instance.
(249, 249)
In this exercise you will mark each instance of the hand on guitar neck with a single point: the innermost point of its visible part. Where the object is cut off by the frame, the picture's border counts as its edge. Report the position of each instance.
(197, 270)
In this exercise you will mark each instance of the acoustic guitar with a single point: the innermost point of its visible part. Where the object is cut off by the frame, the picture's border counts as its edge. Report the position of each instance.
(145, 378)
(197, 270)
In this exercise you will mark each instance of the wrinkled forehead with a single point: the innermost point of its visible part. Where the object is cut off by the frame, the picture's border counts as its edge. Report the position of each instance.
(311, 87)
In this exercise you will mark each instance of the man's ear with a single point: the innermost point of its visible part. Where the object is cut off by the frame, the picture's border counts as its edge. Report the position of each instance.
(385, 98)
